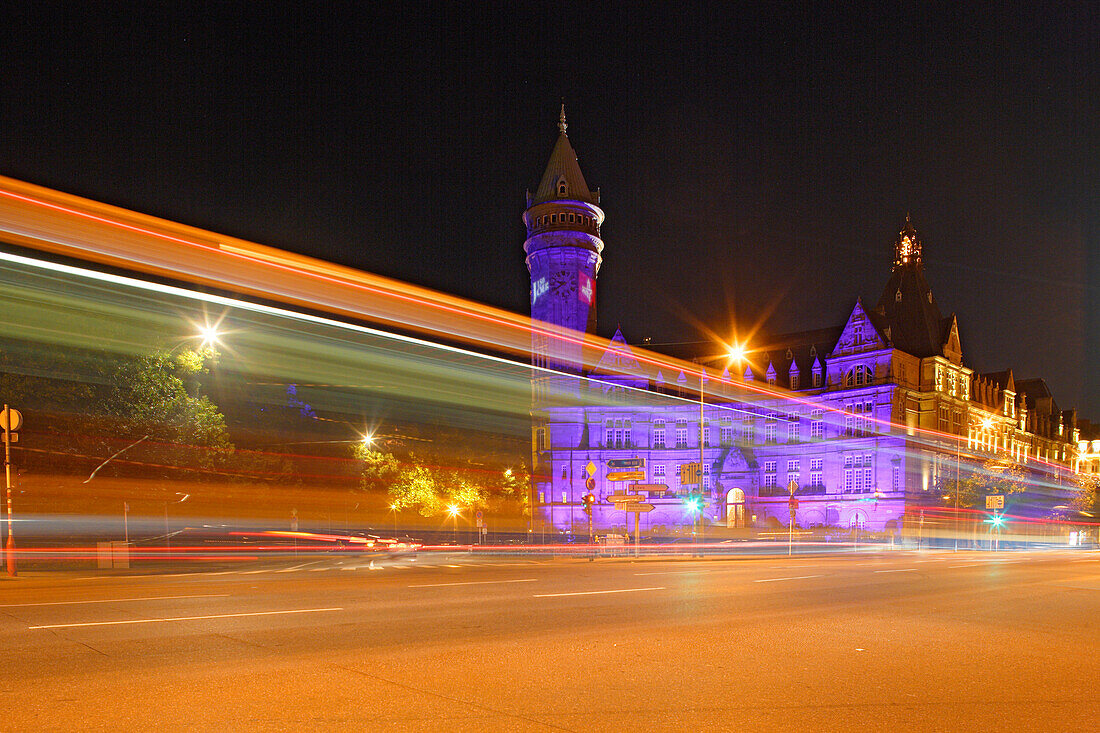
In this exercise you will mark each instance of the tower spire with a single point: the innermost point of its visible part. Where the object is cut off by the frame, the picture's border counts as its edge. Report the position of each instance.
(561, 120)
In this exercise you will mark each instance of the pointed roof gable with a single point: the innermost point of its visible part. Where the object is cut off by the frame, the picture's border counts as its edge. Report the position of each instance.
(618, 357)
(563, 167)
(860, 333)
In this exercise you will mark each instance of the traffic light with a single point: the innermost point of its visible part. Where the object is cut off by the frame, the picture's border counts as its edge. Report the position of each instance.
(589, 499)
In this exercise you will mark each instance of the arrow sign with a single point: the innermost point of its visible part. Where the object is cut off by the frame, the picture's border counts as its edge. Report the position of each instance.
(624, 498)
(626, 463)
(639, 508)
(658, 488)
(626, 476)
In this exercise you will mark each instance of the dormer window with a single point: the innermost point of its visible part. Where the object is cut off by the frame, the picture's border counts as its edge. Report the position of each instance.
(897, 296)
(561, 188)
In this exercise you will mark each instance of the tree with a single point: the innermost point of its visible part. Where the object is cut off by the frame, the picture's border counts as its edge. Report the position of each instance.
(995, 476)
(1086, 498)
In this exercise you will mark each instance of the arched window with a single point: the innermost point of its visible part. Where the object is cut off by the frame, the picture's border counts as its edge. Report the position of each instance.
(858, 376)
(561, 188)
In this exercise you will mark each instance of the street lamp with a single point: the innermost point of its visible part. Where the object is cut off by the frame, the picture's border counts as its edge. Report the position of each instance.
(986, 423)
(734, 354)
(454, 511)
(393, 508)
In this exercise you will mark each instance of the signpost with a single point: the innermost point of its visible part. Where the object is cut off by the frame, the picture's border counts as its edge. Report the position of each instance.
(651, 488)
(631, 503)
(689, 473)
(793, 504)
(995, 501)
(10, 421)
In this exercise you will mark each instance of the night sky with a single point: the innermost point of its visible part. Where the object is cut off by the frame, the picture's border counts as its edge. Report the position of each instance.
(753, 165)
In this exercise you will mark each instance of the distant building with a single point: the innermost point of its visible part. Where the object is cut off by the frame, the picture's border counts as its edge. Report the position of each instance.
(866, 421)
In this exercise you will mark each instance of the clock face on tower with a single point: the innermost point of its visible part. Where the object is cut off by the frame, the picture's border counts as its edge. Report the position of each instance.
(563, 282)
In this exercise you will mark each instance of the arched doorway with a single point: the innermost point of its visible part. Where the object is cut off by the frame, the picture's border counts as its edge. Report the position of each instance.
(858, 522)
(735, 508)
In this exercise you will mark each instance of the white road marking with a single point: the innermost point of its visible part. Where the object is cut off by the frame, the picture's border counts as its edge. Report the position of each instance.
(898, 570)
(595, 592)
(797, 577)
(297, 567)
(185, 618)
(113, 600)
(675, 572)
(474, 582)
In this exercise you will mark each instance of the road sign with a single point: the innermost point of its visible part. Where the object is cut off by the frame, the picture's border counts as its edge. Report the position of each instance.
(997, 501)
(639, 508)
(590, 468)
(626, 463)
(689, 473)
(10, 419)
(792, 487)
(624, 498)
(793, 502)
(652, 488)
(626, 476)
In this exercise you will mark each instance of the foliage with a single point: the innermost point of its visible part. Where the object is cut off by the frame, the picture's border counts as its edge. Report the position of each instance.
(1086, 498)
(430, 489)
(975, 483)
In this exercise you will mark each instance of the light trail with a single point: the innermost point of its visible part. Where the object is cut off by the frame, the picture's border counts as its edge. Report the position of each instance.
(185, 618)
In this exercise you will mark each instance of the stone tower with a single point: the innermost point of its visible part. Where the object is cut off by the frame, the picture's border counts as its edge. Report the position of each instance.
(563, 247)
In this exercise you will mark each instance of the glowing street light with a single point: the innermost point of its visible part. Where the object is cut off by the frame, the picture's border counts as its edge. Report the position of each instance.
(454, 512)
(209, 336)
(393, 508)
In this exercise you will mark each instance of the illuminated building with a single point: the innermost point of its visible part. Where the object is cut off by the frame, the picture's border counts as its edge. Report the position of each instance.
(869, 420)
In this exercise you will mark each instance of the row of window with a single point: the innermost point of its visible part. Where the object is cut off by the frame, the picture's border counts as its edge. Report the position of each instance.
(617, 433)
(555, 219)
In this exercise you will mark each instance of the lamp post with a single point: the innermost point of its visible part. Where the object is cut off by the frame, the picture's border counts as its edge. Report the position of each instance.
(453, 511)
(393, 508)
(735, 353)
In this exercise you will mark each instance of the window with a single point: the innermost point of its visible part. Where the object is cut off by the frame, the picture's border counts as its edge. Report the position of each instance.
(658, 433)
(706, 475)
(540, 439)
(848, 473)
(858, 480)
(943, 419)
(561, 188)
(895, 478)
(868, 478)
(726, 433)
(681, 434)
(792, 466)
(794, 380)
(817, 424)
(849, 420)
(868, 418)
(747, 431)
(563, 476)
(858, 376)
(951, 383)
(817, 378)
(815, 472)
(792, 430)
(769, 466)
(769, 480)
(769, 431)
(609, 434)
(658, 471)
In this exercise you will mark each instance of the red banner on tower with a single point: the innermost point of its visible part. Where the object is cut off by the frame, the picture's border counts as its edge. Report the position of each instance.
(586, 288)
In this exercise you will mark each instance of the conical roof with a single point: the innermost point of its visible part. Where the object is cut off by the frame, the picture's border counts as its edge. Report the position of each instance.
(563, 167)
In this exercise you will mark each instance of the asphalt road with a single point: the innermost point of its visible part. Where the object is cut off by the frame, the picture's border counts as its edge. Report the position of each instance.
(899, 640)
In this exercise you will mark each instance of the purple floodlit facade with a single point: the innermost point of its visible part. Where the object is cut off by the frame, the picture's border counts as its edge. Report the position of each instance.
(872, 418)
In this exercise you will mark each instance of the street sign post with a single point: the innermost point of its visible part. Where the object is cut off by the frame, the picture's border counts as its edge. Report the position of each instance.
(995, 501)
(10, 421)
(652, 488)
(689, 473)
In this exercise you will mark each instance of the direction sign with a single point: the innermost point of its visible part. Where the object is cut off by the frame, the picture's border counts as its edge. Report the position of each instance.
(640, 508)
(997, 501)
(626, 463)
(653, 488)
(624, 498)
(626, 476)
(689, 473)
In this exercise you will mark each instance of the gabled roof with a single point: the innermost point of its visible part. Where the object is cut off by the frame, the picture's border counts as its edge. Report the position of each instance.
(563, 166)
(618, 357)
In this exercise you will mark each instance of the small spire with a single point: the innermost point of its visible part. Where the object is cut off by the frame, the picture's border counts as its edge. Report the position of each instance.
(561, 119)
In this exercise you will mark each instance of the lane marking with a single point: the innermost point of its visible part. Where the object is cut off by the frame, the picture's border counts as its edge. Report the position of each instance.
(297, 567)
(899, 570)
(113, 600)
(969, 565)
(474, 582)
(797, 577)
(595, 592)
(452, 566)
(185, 618)
(675, 572)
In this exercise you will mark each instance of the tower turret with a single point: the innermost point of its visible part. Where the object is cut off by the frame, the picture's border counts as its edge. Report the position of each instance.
(563, 247)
